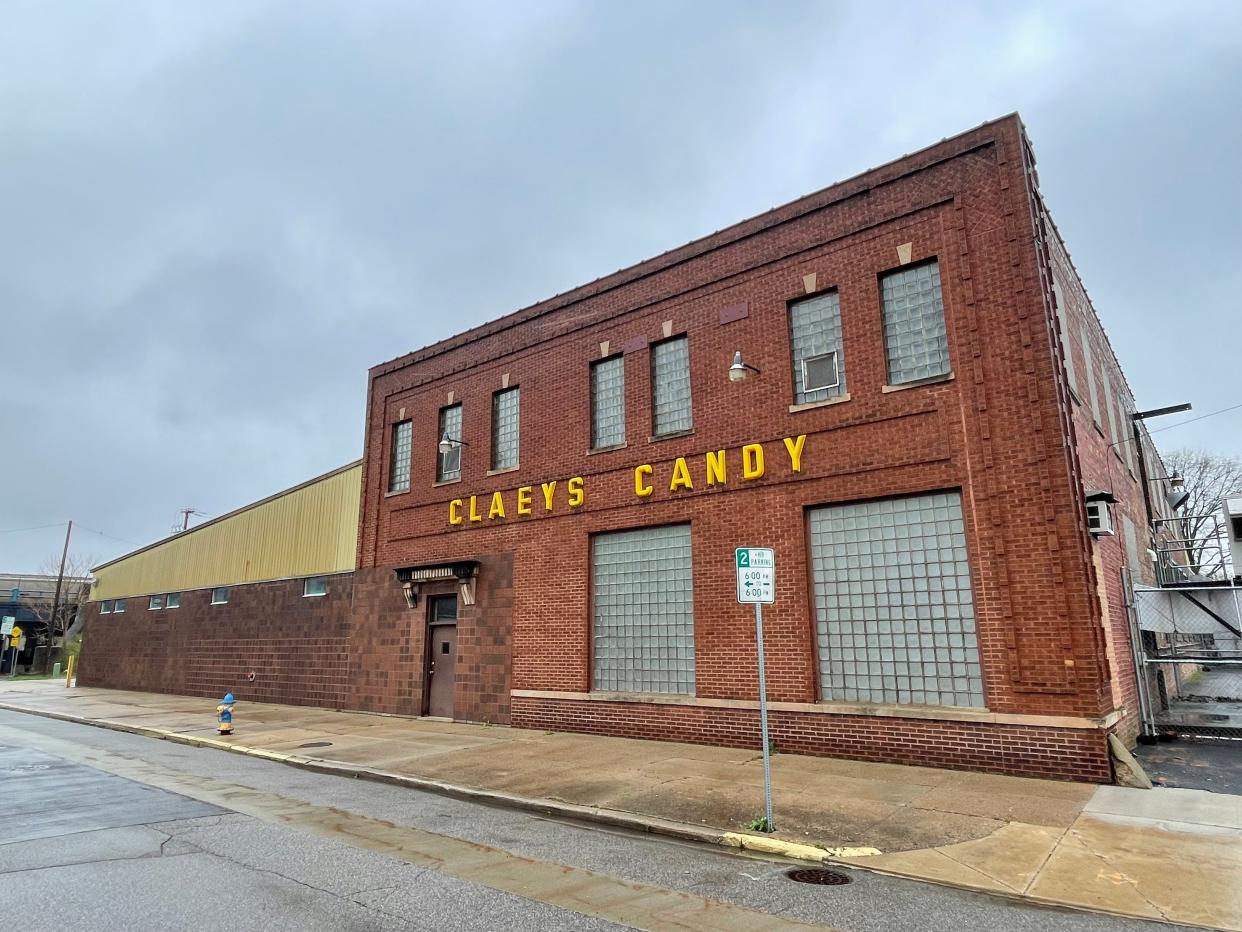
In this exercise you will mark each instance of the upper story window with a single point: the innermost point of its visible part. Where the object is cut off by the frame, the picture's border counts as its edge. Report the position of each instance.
(1062, 312)
(220, 595)
(105, 607)
(914, 329)
(399, 467)
(506, 413)
(172, 600)
(156, 603)
(118, 606)
(315, 585)
(608, 402)
(670, 387)
(448, 466)
(1093, 395)
(815, 340)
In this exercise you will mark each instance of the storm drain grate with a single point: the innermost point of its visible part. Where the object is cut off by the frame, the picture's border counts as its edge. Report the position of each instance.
(316, 744)
(816, 875)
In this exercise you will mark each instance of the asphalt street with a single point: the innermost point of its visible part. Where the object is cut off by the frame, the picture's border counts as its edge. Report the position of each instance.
(103, 830)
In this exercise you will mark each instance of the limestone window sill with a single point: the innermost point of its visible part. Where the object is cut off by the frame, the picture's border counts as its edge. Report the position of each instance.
(811, 405)
(921, 383)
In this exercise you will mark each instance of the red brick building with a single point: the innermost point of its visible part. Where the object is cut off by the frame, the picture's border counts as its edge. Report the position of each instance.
(550, 502)
(916, 437)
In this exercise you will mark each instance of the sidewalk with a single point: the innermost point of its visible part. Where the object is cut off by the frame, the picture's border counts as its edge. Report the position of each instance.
(1157, 854)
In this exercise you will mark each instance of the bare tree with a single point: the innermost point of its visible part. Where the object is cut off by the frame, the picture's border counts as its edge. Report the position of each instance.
(1210, 479)
(74, 594)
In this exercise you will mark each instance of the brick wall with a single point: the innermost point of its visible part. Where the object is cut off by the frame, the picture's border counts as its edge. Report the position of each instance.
(296, 647)
(999, 430)
(1058, 753)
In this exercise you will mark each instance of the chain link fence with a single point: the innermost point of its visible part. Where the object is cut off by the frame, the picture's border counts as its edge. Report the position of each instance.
(1190, 651)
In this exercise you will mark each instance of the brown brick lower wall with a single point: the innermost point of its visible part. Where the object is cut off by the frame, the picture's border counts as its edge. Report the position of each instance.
(1030, 751)
(296, 647)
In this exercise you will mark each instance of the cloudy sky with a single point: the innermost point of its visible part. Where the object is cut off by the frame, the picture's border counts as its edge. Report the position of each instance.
(214, 217)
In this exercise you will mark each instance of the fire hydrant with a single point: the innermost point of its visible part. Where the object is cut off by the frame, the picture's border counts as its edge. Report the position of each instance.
(224, 714)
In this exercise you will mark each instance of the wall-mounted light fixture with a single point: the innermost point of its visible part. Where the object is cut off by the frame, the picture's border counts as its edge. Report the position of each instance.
(740, 370)
(448, 444)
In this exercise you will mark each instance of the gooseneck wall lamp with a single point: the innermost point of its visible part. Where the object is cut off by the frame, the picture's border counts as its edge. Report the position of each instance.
(447, 444)
(740, 370)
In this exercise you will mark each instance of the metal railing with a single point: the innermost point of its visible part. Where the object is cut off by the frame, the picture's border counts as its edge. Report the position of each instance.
(1193, 550)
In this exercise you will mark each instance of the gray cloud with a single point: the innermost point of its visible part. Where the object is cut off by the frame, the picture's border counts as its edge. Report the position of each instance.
(213, 220)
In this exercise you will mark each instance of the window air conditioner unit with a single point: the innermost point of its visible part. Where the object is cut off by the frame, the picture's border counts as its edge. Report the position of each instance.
(1100, 514)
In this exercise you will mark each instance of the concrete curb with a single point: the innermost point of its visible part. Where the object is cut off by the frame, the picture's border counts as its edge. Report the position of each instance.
(609, 817)
(762, 844)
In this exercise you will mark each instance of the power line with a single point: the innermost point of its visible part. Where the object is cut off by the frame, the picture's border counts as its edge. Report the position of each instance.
(1189, 420)
(1193, 419)
(41, 527)
(83, 527)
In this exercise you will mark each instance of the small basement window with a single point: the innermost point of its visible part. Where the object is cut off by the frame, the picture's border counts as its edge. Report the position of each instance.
(105, 607)
(156, 603)
(315, 585)
(172, 600)
(220, 595)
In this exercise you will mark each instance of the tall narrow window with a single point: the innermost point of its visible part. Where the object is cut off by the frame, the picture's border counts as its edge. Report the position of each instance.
(399, 467)
(506, 414)
(449, 465)
(894, 612)
(815, 339)
(670, 387)
(1092, 395)
(1110, 404)
(643, 611)
(914, 329)
(608, 402)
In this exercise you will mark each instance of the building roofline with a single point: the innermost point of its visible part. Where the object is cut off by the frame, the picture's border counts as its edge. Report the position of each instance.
(743, 228)
(224, 517)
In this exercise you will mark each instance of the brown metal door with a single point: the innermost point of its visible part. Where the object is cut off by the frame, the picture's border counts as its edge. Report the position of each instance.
(441, 657)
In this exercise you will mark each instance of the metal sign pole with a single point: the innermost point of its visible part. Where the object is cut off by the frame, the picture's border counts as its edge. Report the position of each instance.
(763, 721)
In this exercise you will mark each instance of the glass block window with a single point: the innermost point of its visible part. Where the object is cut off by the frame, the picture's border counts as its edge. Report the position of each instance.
(220, 595)
(894, 613)
(173, 600)
(505, 422)
(105, 607)
(1110, 403)
(449, 464)
(315, 585)
(670, 386)
(914, 329)
(399, 467)
(1058, 296)
(608, 402)
(643, 611)
(815, 339)
(1092, 395)
(1124, 410)
(155, 603)
(118, 606)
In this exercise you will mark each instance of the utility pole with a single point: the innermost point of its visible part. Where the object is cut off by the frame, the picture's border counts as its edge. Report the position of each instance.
(60, 581)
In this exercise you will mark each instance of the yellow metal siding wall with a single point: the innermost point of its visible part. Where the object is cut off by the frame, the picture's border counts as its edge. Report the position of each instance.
(310, 531)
